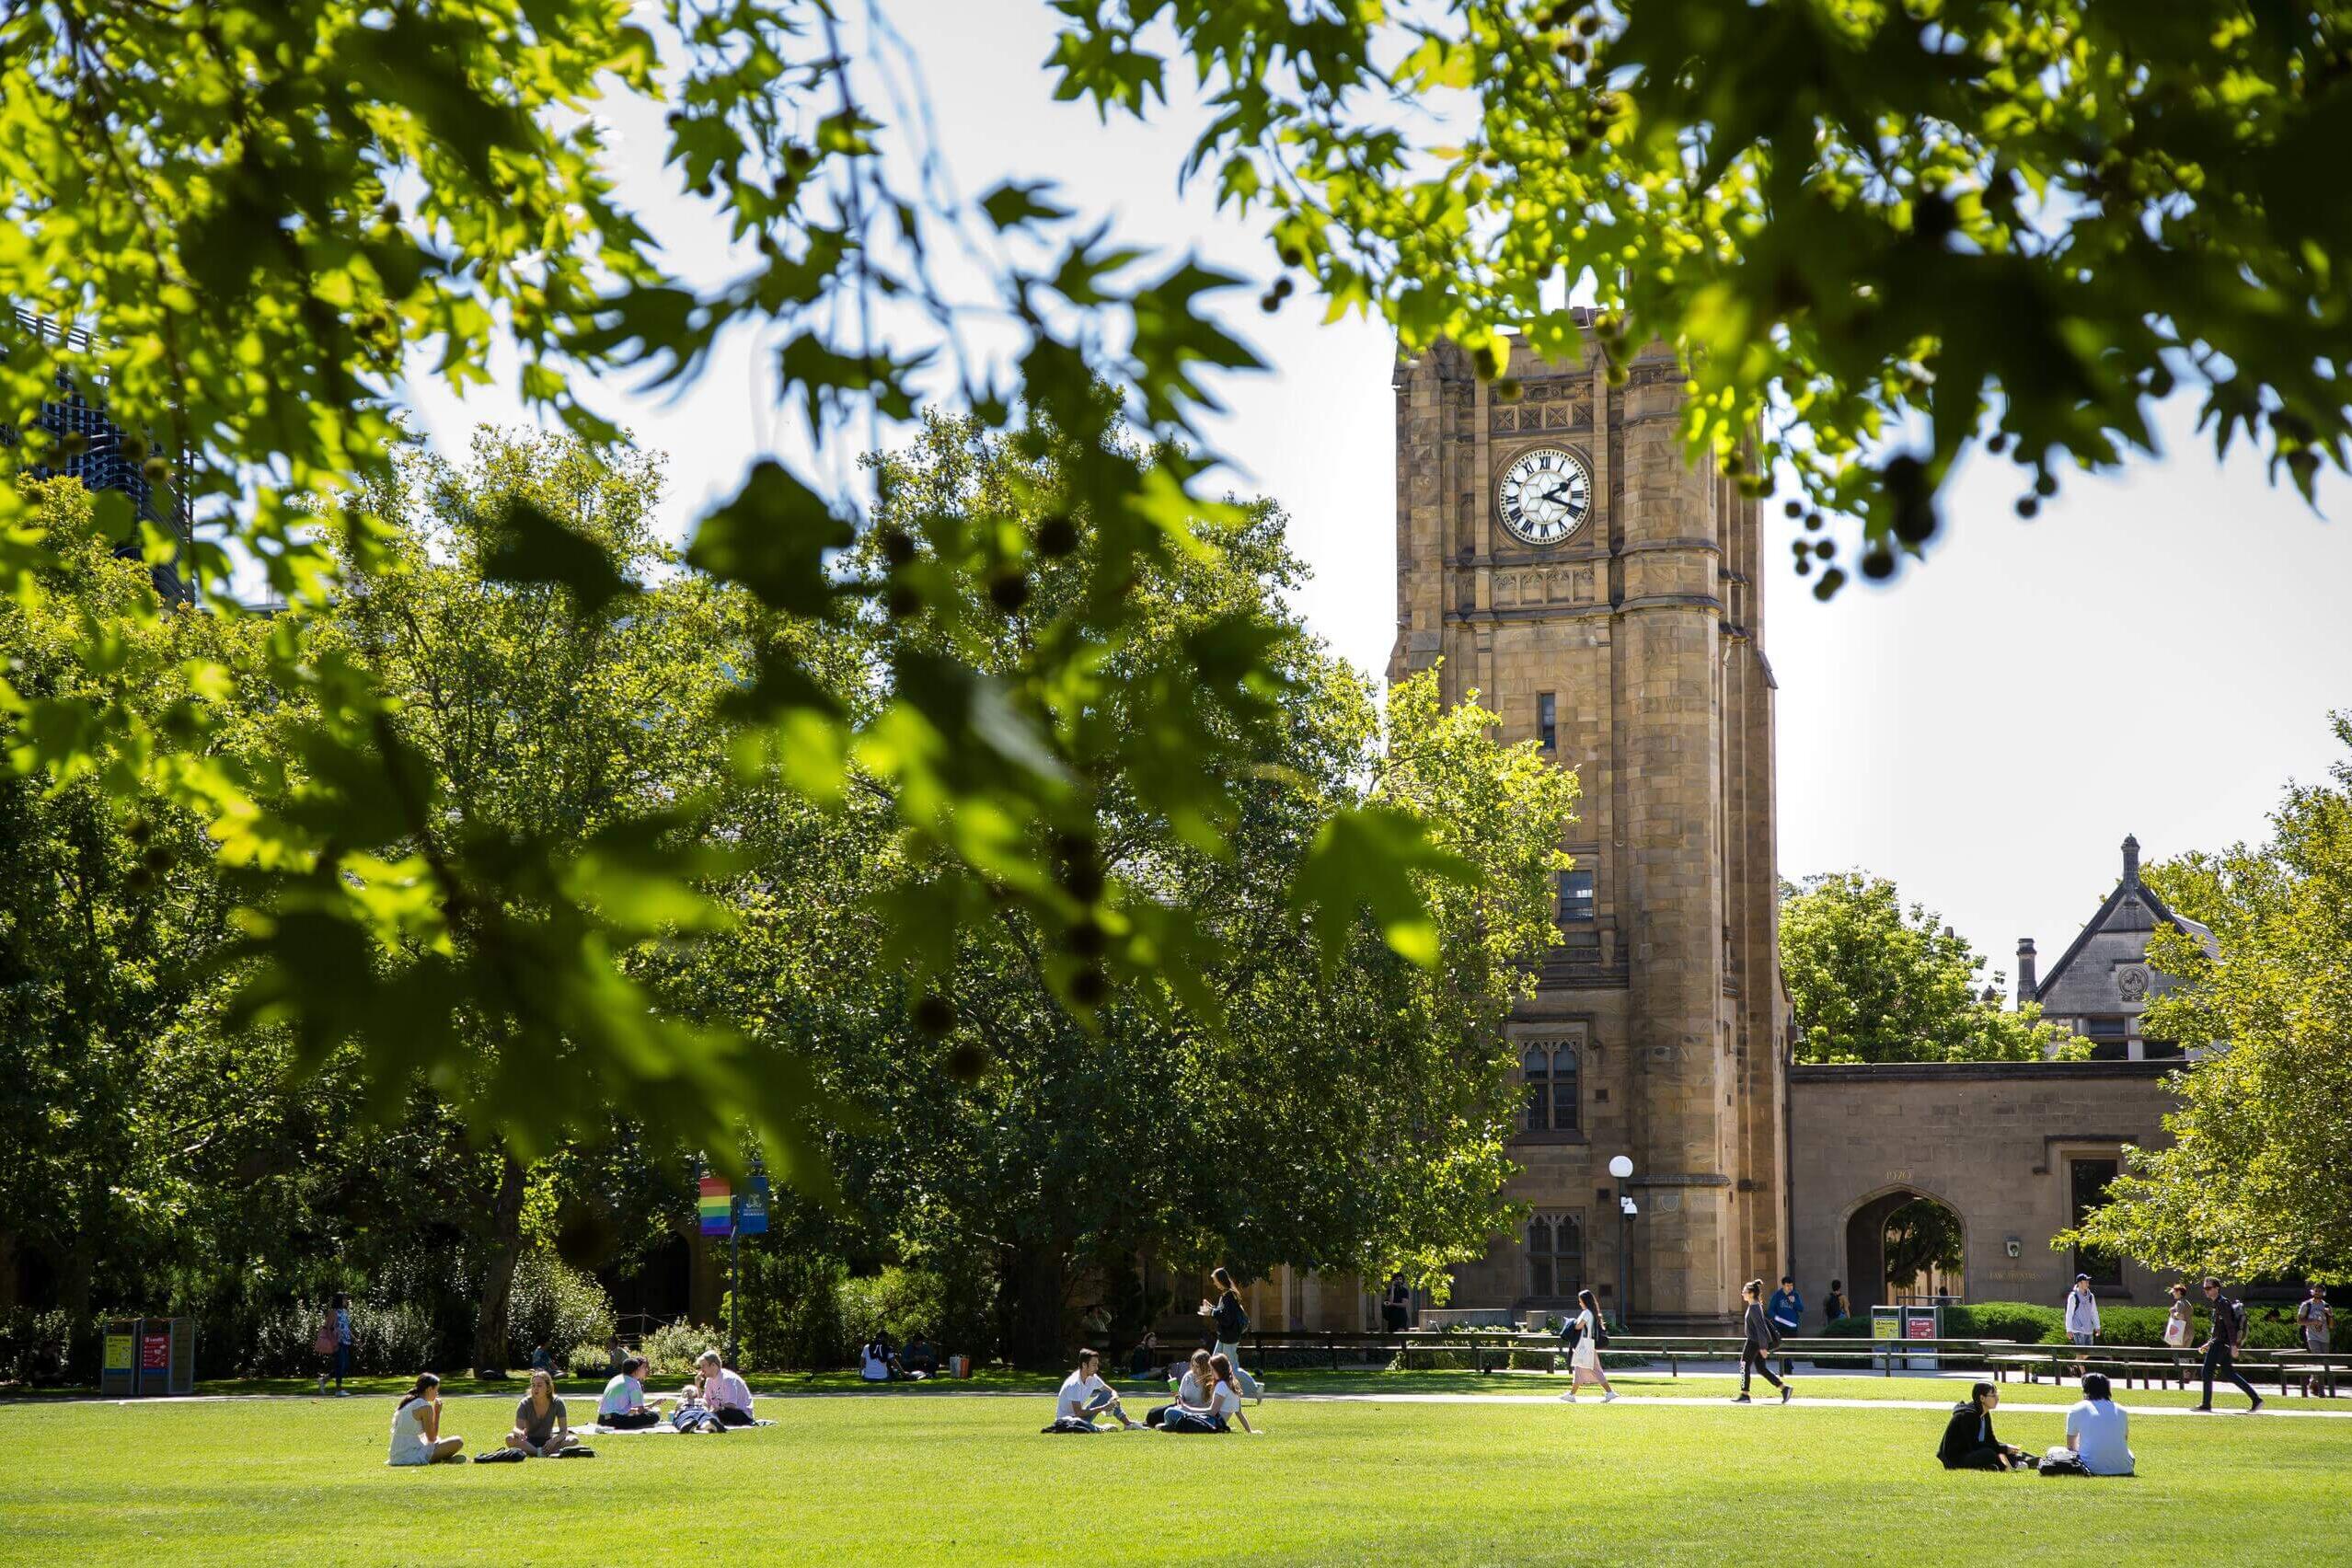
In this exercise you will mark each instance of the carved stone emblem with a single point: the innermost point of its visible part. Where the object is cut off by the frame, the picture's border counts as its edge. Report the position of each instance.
(2132, 981)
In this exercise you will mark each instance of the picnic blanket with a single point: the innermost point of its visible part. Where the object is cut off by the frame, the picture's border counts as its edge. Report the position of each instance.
(657, 1430)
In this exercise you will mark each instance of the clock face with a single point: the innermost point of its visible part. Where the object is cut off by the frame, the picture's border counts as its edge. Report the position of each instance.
(1546, 495)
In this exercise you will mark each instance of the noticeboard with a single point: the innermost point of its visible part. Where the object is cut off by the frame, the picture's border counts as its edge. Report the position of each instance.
(118, 1368)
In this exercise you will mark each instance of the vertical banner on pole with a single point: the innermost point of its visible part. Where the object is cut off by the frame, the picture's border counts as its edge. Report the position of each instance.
(752, 1220)
(716, 1206)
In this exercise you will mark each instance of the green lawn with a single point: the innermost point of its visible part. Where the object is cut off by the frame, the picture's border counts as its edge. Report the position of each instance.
(928, 1479)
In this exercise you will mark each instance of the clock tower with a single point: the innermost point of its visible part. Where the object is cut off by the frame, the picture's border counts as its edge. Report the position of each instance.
(1557, 556)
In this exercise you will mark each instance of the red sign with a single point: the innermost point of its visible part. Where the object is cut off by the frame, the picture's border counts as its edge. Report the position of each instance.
(155, 1353)
(1919, 1328)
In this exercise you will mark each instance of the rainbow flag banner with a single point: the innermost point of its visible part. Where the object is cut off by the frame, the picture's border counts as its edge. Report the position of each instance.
(717, 1207)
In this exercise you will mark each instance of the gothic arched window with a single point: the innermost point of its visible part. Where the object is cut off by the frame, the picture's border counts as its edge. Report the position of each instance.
(1550, 1071)
(1555, 1256)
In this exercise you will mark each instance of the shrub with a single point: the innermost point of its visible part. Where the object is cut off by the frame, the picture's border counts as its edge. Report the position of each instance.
(670, 1350)
(554, 1304)
(590, 1358)
(2021, 1321)
(791, 1314)
(35, 1347)
(398, 1338)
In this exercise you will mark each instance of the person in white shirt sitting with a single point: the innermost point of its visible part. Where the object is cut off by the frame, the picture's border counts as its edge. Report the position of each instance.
(873, 1365)
(1085, 1395)
(2097, 1430)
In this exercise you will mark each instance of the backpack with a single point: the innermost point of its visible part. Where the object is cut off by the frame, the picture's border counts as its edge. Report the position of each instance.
(1065, 1425)
(2235, 1334)
(327, 1339)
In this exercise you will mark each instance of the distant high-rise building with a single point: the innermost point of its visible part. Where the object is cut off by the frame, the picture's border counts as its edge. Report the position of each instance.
(98, 459)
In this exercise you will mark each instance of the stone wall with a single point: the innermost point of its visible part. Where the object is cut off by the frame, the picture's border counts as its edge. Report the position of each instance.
(1992, 1140)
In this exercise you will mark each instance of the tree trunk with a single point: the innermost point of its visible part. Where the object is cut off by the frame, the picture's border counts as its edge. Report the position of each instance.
(498, 1271)
(1033, 1291)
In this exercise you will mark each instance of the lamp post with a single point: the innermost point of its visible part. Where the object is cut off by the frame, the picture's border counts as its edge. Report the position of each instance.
(1621, 1168)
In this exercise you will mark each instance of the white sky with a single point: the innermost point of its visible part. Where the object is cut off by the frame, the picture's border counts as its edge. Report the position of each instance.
(2156, 654)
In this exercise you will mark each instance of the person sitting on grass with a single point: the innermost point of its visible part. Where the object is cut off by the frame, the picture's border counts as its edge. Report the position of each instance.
(1085, 1395)
(542, 1426)
(919, 1359)
(874, 1361)
(542, 1360)
(1144, 1360)
(1968, 1441)
(2097, 1430)
(1219, 1408)
(416, 1428)
(1189, 1390)
(725, 1393)
(623, 1408)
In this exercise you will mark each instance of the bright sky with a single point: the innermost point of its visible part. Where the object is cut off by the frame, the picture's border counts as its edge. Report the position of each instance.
(2156, 654)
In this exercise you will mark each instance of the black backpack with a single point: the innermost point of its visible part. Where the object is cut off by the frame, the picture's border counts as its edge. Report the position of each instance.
(1600, 1331)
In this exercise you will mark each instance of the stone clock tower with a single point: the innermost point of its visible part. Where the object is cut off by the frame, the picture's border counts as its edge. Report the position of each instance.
(1560, 559)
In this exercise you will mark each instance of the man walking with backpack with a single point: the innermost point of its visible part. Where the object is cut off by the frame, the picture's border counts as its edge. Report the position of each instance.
(2229, 1331)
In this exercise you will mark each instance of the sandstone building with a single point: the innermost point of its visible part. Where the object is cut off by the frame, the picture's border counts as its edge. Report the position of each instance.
(1557, 556)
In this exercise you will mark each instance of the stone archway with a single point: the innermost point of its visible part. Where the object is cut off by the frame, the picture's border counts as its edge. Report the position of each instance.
(1931, 1225)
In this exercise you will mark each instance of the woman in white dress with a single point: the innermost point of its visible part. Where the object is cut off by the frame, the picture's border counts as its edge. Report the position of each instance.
(416, 1428)
(1584, 1362)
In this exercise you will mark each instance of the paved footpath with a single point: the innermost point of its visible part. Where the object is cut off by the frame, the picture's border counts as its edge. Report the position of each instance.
(2271, 1408)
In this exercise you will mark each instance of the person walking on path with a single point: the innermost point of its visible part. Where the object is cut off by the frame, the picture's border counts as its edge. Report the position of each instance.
(2081, 1316)
(2316, 1319)
(1787, 1310)
(1756, 1353)
(2221, 1346)
(1583, 1356)
(1230, 1320)
(2180, 1323)
(335, 1344)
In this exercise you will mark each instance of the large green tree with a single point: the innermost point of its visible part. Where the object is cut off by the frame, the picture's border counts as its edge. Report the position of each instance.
(2258, 1179)
(1872, 981)
(1277, 1097)
(268, 212)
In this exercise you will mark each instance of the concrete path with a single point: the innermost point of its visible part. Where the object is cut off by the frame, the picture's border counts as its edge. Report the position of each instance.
(2272, 1408)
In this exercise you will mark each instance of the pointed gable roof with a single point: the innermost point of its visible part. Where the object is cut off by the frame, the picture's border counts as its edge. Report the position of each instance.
(2132, 908)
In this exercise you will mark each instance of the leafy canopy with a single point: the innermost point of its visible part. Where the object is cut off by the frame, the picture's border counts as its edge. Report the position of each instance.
(1877, 231)
(2259, 1180)
(1871, 981)
(266, 214)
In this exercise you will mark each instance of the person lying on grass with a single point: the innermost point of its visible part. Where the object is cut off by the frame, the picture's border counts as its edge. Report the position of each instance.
(542, 1426)
(1968, 1441)
(1085, 1395)
(416, 1428)
(723, 1390)
(623, 1408)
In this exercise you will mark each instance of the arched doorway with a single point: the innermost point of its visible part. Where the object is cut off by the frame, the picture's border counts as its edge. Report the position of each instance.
(1904, 1243)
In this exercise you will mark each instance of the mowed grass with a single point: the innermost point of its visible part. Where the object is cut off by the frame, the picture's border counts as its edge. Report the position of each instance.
(848, 1480)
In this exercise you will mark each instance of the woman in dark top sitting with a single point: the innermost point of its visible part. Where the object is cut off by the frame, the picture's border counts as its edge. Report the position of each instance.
(1968, 1441)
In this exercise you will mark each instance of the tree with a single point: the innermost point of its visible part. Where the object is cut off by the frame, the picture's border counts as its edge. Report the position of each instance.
(1261, 1103)
(267, 213)
(2257, 1181)
(536, 722)
(109, 908)
(1922, 1237)
(1870, 981)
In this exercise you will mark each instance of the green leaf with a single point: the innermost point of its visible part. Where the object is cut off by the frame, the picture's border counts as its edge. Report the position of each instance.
(1015, 203)
(1364, 860)
(531, 546)
(774, 538)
